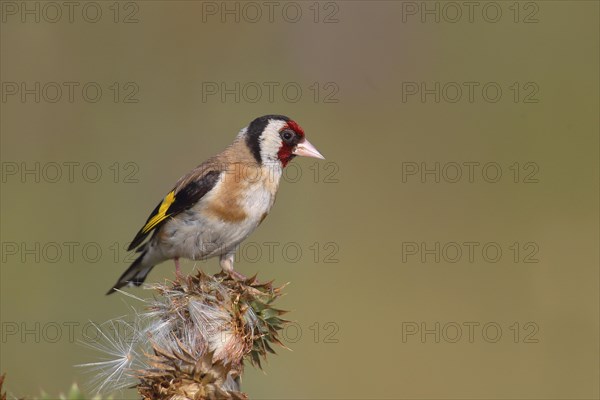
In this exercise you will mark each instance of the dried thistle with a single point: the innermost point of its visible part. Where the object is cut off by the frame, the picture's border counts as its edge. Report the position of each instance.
(195, 337)
(122, 347)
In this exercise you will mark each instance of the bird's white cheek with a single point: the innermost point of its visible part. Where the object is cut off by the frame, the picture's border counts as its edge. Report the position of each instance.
(270, 141)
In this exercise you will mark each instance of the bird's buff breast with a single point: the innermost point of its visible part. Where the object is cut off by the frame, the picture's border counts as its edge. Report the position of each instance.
(221, 220)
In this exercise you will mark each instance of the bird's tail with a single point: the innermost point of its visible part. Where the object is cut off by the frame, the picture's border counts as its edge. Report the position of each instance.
(135, 274)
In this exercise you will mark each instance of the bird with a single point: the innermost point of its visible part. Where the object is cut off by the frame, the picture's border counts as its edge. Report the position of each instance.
(218, 204)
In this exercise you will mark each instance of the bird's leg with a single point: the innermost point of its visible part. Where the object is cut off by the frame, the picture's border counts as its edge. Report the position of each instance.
(226, 262)
(177, 268)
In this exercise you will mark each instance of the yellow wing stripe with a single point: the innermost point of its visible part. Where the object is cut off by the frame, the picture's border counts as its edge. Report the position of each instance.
(161, 214)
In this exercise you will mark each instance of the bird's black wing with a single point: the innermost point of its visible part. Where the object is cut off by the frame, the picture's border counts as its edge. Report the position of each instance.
(176, 201)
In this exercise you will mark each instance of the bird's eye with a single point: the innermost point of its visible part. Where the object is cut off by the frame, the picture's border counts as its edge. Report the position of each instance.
(287, 136)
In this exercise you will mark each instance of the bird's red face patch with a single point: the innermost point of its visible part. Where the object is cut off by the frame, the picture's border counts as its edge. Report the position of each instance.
(285, 153)
(295, 127)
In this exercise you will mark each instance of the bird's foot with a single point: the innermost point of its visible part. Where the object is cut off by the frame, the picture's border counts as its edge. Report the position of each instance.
(177, 269)
(236, 275)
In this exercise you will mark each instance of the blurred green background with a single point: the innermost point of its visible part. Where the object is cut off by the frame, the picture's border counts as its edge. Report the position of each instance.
(366, 324)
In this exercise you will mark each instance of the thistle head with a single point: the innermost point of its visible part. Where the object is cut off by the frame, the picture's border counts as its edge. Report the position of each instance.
(194, 337)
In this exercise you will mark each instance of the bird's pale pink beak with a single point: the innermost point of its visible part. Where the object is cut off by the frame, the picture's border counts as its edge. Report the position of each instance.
(306, 149)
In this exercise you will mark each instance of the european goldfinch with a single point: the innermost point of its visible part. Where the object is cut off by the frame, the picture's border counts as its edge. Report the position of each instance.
(214, 207)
